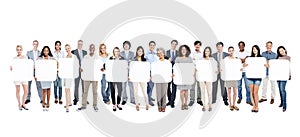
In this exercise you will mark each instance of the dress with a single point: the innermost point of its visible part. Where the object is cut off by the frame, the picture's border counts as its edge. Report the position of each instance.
(68, 82)
(181, 60)
(231, 83)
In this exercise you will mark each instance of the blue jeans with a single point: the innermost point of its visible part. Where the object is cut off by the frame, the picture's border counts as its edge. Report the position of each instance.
(246, 86)
(105, 93)
(282, 91)
(57, 85)
(150, 86)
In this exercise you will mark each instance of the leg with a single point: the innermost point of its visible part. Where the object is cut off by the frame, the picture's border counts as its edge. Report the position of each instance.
(182, 98)
(265, 87)
(119, 86)
(273, 94)
(25, 88)
(55, 86)
(251, 86)
(158, 94)
(95, 93)
(229, 95)
(48, 96)
(214, 91)
(209, 93)
(284, 94)
(169, 92)
(39, 89)
(144, 93)
(202, 86)
(150, 85)
(68, 98)
(59, 88)
(112, 90)
(256, 87)
(223, 91)
(18, 95)
(163, 95)
(103, 89)
(192, 93)
(29, 90)
(186, 95)
(76, 98)
(135, 86)
(247, 89)
(173, 94)
(124, 93)
(240, 88)
(280, 92)
(198, 92)
(234, 95)
(44, 97)
(85, 93)
(130, 85)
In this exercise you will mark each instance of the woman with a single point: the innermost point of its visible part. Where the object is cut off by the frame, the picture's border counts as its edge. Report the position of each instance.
(19, 50)
(254, 83)
(207, 85)
(57, 83)
(282, 54)
(231, 84)
(116, 56)
(184, 52)
(139, 56)
(68, 82)
(46, 85)
(104, 56)
(161, 88)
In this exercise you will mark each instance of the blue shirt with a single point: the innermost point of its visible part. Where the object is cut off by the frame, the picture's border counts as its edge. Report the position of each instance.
(151, 57)
(269, 56)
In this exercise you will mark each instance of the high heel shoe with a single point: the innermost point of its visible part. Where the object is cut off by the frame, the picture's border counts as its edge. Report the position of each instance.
(137, 108)
(20, 108)
(114, 108)
(25, 108)
(147, 107)
(118, 106)
(67, 110)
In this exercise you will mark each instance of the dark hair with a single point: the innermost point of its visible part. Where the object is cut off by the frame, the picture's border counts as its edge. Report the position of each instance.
(152, 42)
(269, 42)
(174, 41)
(209, 51)
(220, 43)
(42, 53)
(230, 47)
(114, 50)
(278, 53)
(80, 40)
(188, 50)
(197, 42)
(258, 51)
(241, 42)
(59, 44)
(127, 42)
(143, 55)
(35, 41)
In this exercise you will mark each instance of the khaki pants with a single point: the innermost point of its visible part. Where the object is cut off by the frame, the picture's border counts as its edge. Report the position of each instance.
(86, 90)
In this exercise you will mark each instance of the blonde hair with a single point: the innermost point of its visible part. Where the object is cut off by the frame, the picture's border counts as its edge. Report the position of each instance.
(19, 46)
(100, 52)
(67, 45)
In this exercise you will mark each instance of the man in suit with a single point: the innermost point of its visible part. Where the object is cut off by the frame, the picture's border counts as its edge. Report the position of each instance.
(171, 91)
(128, 56)
(219, 56)
(79, 53)
(33, 55)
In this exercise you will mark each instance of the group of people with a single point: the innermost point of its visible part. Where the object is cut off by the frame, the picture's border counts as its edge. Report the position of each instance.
(165, 92)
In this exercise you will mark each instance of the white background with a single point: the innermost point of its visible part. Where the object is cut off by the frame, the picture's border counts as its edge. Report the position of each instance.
(254, 22)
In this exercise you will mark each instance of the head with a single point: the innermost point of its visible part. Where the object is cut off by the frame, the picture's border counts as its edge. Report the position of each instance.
(281, 51)
(220, 46)
(35, 44)
(139, 51)
(68, 48)
(174, 44)
(197, 45)
(102, 49)
(241, 45)
(160, 53)
(57, 45)
(116, 52)
(46, 52)
(230, 51)
(207, 52)
(184, 51)
(255, 52)
(126, 45)
(269, 46)
(79, 44)
(152, 45)
(19, 50)
(92, 49)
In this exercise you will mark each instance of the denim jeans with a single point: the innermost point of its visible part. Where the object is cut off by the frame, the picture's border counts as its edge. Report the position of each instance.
(282, 91)
(150, 86)
(57, 85)
(105, 93)
(246, 86)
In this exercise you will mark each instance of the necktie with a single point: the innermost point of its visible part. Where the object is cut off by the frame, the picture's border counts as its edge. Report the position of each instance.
(173, 56)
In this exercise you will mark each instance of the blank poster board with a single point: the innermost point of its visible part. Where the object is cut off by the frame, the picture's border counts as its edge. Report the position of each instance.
(46, 70)
(184, 73)
(68, 68)
(206, 70)
(139, 71)
(22, 70)
(256, 68)
(231, 69)
(161, 72)
(116, 70)
(279, 69)
(91, 69)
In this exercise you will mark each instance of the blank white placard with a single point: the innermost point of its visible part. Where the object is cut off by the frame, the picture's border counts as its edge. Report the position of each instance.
(139, 71)
(256, 68)
(68, 68)
(161, 72)
(206, 70)
(91, 69)
(45, 70)
(231, 69)
(22, 69)
(116, 70)
(184, 73)
(279, 69)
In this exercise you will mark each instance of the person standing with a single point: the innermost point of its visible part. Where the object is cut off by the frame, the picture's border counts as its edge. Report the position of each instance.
(68, 82)
(79, 53)
(103, 55)
(57, 83)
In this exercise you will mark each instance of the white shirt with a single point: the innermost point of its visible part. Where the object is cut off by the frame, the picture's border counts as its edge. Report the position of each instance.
(196, 56)
(58, 55)
(242, 55)
(35, 55)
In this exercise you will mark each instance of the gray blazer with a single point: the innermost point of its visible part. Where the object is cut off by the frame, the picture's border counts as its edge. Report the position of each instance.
(129, 57)
(215, 56)
(76, 53)
(168, 55)
(29, 54)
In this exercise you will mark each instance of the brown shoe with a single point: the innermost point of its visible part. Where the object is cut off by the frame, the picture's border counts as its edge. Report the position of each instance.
(239, 101)
(236, 108)
(231, 108)
(163, 109)
(262, 100)
(272, 101)
(159, 109)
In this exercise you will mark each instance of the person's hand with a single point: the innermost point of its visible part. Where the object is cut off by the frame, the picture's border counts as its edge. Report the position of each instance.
(35, 78)
(102, 69)
(290, 77)
(170, 59)
(10, 68)
(173, 75)
(245, 65)
(241, 69)
(128, 79)
(81, 70)
(267, 65)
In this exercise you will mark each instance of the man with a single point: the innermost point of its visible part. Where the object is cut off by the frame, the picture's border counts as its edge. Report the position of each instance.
(219, 56)
(196, 55)
(87, 83)
(79, 53)
(242, 55)
(151, 57)
(269, 55)
(171, 91)
(33, 55)
(128, 55)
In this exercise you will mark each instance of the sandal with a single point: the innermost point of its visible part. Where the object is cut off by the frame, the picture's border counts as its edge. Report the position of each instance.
(236, 108)
(137, 108)
(147, 107)
(231, 108)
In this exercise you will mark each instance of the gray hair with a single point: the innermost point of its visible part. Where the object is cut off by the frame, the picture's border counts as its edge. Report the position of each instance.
(161, 49)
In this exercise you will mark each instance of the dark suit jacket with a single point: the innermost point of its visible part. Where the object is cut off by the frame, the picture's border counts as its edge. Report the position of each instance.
(215, 56)
(75, 52)
(168, 55)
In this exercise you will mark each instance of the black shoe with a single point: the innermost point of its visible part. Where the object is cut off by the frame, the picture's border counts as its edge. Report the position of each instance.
(200, 102)
(151, 104)
(27, 101)
(239, 101)
(152, 99)
(168, 104)
(40, 101)
(81, 108)
(191, 103)
(69, 106)
(123, 102)
(280, 105)
(249, 103)
(172, 106)
(226, 103)
(283, 110)
(25, 108)
(74, 102)
(87, 102)
(132, 103)
(114, 109)
(118, 106)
